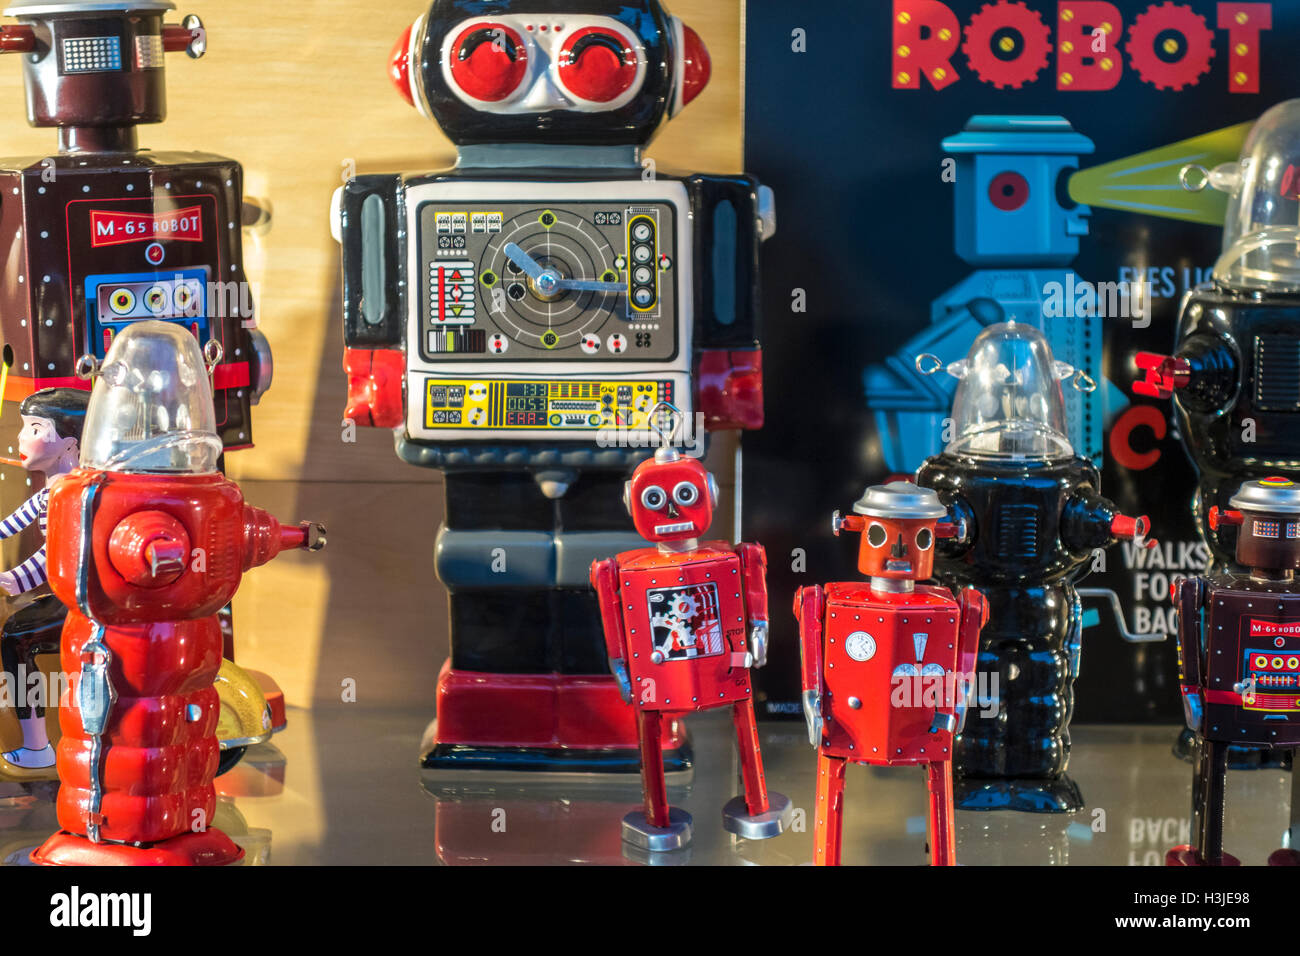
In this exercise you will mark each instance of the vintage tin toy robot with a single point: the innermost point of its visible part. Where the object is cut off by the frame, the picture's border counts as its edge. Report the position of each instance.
(887, 663)
(147, 542)
(1031, 519)
(684, 622)
(106, 233)
(515, 318)
(1233, 375)
(1239, 654)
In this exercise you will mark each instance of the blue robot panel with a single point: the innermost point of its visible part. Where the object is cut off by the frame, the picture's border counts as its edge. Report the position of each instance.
(113, 302)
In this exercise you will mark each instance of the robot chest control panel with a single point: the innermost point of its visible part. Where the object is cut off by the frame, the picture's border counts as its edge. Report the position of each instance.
(586, 282)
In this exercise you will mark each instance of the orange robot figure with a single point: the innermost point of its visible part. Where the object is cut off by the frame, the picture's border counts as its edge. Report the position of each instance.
(684, 622)
(147, 541)
(887, 663)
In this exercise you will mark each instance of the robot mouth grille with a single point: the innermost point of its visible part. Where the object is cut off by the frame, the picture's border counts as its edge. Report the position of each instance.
(1018, 530)
(1277, 373)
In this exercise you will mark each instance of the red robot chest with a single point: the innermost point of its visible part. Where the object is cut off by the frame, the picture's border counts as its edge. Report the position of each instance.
(890, 668)
(1253, 665)
(684, 616)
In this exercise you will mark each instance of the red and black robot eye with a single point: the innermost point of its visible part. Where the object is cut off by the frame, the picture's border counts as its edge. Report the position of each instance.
(597, 65)
(489, 62)
(1008, 191)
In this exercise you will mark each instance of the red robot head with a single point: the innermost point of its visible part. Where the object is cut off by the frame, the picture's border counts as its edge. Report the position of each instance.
(671, 497)
(579, 72)
(899, 523)
(1268, 514)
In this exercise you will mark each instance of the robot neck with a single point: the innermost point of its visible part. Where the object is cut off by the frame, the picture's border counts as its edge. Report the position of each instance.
(98, 139)
(892, 585)
(553, 156)
(1272, 574)
(677, 547)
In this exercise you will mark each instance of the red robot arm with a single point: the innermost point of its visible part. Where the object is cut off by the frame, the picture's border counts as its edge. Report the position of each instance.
(809, 606)
(604, 578)
(974, 615)
(1164, 375)
(753, 567)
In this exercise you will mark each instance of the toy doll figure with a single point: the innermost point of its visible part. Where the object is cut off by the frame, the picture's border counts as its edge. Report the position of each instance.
(684, 622)
(1239, 655)
(887, 662)
(1031, 517)
(515, 318)
(49, 443)
(147, 542)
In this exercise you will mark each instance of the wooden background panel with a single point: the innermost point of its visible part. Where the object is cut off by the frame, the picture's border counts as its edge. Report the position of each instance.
(298, 92)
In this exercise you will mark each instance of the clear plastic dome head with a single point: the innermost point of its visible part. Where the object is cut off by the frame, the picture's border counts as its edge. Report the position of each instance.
(1261, 234)
(151, 407)
(1009, 403)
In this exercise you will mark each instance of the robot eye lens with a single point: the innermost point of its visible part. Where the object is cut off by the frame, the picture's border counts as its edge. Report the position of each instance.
(876, 535)
(924, 538)
(489, 62)
(597, 65)
(686, 493)
(1008, 191)
(654, 498)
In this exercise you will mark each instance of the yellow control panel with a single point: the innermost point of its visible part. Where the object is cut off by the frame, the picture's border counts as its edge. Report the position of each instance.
(541, 405)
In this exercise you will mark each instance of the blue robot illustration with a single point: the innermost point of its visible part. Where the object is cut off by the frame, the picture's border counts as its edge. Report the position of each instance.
(1014, 222)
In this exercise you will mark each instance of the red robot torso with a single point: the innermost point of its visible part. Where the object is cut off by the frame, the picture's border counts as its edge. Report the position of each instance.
(890, 663)
(685, 620)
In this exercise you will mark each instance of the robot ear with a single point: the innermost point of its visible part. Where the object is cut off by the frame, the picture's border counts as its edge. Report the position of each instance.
(399, 64)
(627, 496)
(713, 490)
(692, 67)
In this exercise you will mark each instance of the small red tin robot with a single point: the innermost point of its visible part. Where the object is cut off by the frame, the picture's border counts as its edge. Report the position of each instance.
(886, 664)
(684, 622)
(147, 541)
(1239, 655)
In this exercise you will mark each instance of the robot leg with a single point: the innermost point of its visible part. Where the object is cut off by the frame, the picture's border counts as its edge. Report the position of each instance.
(1208, 788)
(658, 826)
(829, 827)
(943, 828)
(758, 815)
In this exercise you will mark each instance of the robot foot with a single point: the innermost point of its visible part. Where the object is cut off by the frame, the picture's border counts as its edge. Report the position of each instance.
(1025, 794)
(1187, 856)
(638, 831)
(1284, 858)
(1239, 757)
(209, 848)
(737, 819)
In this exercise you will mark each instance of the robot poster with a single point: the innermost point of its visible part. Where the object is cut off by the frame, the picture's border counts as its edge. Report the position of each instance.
(975, 163)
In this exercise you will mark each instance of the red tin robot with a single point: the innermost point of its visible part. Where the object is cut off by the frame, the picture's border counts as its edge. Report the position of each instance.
(684, 622)
(886, 664)
(1239, 655)
(147, 541)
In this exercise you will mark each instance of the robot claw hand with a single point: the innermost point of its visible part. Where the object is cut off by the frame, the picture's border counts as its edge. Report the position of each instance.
(1164, 374)
(758, 643)
(812, 715)
(618, 667)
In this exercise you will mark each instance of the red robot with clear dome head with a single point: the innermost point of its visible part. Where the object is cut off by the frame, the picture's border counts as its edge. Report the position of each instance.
(147, 541)
(1239, 655)
(887, 663)
(684, 622)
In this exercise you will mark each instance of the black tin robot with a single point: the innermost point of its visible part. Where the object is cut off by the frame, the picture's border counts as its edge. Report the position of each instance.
(1030, 517)
(517, 319)
(1235, 372)
(1239, 655)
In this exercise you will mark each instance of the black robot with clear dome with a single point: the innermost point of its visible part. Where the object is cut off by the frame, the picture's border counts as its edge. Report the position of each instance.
(517, 318)
(1030, 516)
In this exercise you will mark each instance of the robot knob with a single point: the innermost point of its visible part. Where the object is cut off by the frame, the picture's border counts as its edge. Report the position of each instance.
(399, 66)
(696, 65)
(189, 36)
(17, 38)
(149, 549)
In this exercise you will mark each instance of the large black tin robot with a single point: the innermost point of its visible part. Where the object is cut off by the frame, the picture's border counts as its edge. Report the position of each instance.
(1235, 372)
(516, 319)
(1031, 519)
